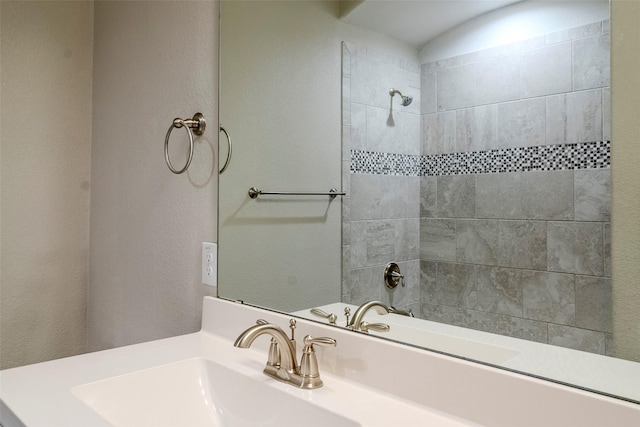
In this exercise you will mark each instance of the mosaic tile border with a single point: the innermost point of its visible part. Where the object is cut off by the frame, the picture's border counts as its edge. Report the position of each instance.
(583, 155)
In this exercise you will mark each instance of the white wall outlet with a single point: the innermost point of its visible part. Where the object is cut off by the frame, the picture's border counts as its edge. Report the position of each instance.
(209, 263)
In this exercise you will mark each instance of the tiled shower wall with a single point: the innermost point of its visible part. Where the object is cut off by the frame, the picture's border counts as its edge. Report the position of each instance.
(500, 219)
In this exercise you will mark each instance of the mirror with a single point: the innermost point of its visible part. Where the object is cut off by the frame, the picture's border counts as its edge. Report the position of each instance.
(490, 189)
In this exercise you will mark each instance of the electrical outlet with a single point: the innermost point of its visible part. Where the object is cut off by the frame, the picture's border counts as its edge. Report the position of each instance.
(209, 263)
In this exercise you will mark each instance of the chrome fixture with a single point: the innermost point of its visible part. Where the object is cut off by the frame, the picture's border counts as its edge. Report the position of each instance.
(356, 320)
(394, 310)
(196, 125)
(406, 100)
(392, 275)
(329, 316)
(226, 163)
(254, 193)
(284, 367)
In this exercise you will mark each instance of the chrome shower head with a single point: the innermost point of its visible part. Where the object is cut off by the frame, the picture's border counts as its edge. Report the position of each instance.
(406, 100)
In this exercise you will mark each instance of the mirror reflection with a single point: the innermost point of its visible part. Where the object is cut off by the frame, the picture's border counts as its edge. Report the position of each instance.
(475, 157)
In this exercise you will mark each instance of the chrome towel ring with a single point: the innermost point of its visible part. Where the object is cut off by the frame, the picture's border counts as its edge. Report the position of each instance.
(195, 125)
(226, 163)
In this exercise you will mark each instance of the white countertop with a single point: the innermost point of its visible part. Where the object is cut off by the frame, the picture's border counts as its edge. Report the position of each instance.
(605, 374)
(367, 380)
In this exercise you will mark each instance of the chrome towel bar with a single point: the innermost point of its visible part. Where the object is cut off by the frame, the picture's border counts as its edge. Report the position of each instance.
(254, 193)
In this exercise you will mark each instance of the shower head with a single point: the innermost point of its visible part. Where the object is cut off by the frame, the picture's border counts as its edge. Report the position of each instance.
(406, 100)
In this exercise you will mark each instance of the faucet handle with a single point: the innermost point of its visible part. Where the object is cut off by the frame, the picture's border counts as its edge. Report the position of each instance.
(378, 327)
(309, 363)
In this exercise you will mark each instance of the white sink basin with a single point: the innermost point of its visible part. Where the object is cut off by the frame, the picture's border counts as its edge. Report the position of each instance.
(198, 392)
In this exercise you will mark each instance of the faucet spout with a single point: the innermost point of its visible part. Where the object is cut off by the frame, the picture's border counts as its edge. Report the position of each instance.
(378, 306)
(287, 351)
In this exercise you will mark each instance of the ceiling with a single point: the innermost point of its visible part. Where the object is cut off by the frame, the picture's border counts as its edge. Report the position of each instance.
(416, 22)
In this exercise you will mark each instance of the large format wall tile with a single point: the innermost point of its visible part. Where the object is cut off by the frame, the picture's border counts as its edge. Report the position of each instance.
(456, 87)
(437, 239)
(428, 196)
(477, 241)
(593, 303)
(457, 196)
(546, 71)
(549, 297)
(428, 274)
(476, 128)
(574, 117)
(547, 195)
(577, 339)
(428, 99)
(521, 123)
(592, 195)
(499, 195)
(456, 285)
(392, 131)
(499, 290)
(438, 134)
(522, 244)
(575, 247)
(591, 62)
(498, 80)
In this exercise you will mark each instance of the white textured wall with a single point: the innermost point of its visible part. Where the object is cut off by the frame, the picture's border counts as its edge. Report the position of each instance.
(154, 61)
(281, 99)
(625, 226)
(46, 51)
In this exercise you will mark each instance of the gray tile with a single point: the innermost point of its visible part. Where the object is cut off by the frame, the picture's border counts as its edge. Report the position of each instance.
(574, 117)
(363, 286)
(399, 136)
(428, 196)
(575, 247)
(457, 196)
(413, 196)
(382, 237)
(456, 87)
(477, 241)
(477, 128)
(592, 194)
(358, 127)
(346, 142)
(574, 33)
(346, 223)
(428, 88)
(346, 101)
(346, 269)
(428, 273)
(606, 26)
(606, 114)
(577, 339)
(593, 303)
(358, 239)
(546, 71)
(549, 297)
(365, 196)
(407, 240)
(438, 135)
(607, 249)
(438, 239)
(396, 198)
(499, 290)
(499, 195)
(521, 123)
(522, 244)
(456, 285)
(591, 62)
(547, 195)
(498, 80)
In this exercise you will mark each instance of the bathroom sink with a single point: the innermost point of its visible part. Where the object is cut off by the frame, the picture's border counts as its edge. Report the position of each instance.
(199, 392)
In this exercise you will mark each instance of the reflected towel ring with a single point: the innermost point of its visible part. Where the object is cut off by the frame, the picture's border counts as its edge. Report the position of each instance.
(195, 125)
(226, 163)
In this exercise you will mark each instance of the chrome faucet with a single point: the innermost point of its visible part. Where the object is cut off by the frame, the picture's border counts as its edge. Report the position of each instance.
(356, 321)
(282, 364)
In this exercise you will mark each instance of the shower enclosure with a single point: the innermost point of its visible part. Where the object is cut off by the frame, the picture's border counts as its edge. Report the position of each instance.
(491, 190)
